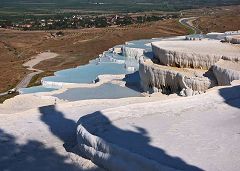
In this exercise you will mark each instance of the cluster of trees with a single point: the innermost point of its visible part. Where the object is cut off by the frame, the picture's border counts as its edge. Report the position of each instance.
(56, 22)
(75, 21)
(143, 19)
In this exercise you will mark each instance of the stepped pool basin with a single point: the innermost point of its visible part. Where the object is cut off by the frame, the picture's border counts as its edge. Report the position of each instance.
(87, 73)
(104, 91)
(107, 63)
(36, 89)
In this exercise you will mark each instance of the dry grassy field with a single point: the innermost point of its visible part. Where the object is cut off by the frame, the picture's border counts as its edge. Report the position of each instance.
(76, 47)
(219, 19)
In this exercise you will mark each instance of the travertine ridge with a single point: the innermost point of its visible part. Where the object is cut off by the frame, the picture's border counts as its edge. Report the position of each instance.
(189, 67)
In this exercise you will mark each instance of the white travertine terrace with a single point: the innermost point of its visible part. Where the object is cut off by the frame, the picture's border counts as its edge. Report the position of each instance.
(111, 156)
(159, 78)
(117, 49)
(235, 39)
(179, 126)
(193, 54)
(226, 71)
(131, 52)
(153, 133)
(190, 67)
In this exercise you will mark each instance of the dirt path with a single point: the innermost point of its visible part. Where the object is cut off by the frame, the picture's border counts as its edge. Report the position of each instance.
(30, 64)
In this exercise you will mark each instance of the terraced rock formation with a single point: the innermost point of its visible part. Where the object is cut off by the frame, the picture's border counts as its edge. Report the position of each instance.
(166, 134)
(190, 67)
(235, 39)
(165, 79)
(226, 71)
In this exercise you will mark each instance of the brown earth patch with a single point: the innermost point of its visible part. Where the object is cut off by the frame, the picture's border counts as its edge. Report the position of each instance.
(75, 48)
(220, 19)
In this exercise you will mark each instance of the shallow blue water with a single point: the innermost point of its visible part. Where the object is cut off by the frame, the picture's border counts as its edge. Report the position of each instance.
(35, 89)
(109, 63)
(87, 73)
(105, 91)
(142, 43)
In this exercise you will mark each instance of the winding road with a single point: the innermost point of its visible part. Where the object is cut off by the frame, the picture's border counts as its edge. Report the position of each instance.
(188, 22)
(30, 64)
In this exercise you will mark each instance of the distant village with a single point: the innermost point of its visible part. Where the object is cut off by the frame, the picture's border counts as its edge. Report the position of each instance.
(78, 21)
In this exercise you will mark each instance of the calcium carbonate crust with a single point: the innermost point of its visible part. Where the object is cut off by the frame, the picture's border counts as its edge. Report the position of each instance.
(157, 79)
(110, 156)
(184, 59)
(161, 76)
(225, 75)
(131, 52)
(233, 39)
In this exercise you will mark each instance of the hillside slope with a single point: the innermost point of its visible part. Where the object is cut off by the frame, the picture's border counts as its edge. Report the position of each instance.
(111, 5)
